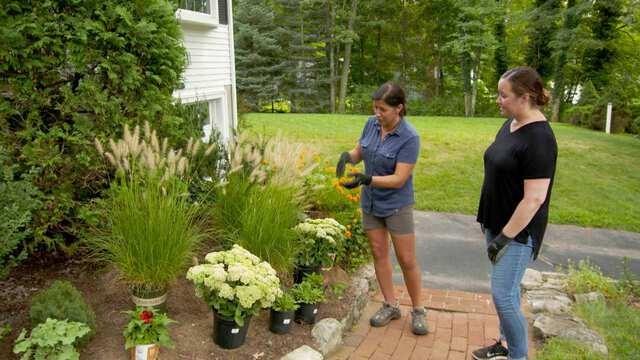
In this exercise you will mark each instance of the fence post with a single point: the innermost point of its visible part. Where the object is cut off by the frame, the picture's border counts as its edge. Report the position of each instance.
(608, 125)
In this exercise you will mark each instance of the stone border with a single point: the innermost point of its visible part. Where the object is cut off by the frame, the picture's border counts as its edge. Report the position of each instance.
(551, 307)
(328, 332)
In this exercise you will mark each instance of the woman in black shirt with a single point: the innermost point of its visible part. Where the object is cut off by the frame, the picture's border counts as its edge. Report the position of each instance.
(519, 167)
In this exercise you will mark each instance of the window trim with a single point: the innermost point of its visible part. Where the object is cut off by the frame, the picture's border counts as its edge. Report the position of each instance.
(199, 18)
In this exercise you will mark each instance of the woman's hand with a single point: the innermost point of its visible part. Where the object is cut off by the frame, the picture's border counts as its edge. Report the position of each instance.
(342, 163)
(497, 247)
(358, 179)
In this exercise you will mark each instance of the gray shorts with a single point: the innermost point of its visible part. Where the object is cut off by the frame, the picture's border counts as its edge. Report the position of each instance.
(398, 223)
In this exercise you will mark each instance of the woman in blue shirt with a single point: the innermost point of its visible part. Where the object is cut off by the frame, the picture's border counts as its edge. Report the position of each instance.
(389, 147)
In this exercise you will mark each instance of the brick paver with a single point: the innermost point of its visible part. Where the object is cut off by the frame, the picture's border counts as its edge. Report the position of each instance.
(459, 322)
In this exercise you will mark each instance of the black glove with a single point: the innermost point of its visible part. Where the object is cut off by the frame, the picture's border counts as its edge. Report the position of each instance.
(497, 247)
(358, 179)
(344, 159)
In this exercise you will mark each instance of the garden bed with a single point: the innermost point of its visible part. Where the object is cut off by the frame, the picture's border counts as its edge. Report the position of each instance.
(109, 298)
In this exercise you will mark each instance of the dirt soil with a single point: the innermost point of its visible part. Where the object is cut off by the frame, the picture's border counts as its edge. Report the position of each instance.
(109, 298)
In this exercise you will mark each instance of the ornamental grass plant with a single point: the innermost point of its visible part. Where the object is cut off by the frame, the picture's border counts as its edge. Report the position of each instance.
(256, 212)
(151, 227)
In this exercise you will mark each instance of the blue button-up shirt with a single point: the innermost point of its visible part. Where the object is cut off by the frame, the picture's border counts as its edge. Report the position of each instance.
(380, 157)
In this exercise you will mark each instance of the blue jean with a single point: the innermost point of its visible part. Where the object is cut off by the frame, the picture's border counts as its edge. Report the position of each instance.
(506, 276)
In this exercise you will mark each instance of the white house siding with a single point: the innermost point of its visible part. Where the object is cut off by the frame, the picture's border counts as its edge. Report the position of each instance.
(209, 76)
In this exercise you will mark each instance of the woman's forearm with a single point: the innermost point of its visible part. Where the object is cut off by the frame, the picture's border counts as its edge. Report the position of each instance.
(393, 181)
(525, 211)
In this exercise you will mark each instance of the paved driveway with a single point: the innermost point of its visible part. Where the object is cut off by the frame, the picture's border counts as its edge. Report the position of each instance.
(450, 250)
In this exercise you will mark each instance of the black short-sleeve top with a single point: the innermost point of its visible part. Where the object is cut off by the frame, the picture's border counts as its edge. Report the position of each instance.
(530, 152)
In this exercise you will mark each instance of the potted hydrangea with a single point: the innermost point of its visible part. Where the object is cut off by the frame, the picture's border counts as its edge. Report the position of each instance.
(319, 240)
(146, 331)
(236, 284)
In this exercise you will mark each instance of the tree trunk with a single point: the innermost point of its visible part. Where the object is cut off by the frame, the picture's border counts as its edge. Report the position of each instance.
(332, 65)
(466, 83)
(474, 89)
(347, 59)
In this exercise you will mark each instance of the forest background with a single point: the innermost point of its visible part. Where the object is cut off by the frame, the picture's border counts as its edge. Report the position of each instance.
(328, 56)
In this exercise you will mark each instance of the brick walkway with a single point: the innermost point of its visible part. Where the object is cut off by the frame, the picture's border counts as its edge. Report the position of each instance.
(459, 322)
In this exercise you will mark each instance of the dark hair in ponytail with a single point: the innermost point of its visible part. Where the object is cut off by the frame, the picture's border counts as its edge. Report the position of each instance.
(393, 95)
(526, 80)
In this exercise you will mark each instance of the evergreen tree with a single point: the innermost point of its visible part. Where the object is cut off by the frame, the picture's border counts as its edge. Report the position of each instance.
(605, 19)
(260, 62)
(303, 37)
(543, 27)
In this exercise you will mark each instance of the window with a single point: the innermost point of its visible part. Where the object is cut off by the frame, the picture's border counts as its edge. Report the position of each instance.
(203, 6)
(222, 12)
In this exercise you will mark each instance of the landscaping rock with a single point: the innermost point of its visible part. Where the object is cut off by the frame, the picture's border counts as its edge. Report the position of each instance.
(546, 275)
(569, 328)
(531, 279)
(328, 335)
(548, 300)
(589, 297)
(304, 352)
(369, 272)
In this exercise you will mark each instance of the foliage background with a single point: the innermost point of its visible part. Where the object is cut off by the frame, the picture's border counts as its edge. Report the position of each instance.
(71, 71)
(448, 54)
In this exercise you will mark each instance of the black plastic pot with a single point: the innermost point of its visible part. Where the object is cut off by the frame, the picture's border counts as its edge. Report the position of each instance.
(280, 321)
(306, 313)
(227, 334)
(300, 272)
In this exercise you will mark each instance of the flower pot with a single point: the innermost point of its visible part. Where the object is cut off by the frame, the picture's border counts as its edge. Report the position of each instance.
(227, 334)
(301, 271)
(145, 352)
(280, 321)
(150, 298)
(306, 313)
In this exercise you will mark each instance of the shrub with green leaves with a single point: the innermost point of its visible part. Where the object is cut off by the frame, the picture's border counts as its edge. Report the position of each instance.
(587, 277)
(19, 199)
(308, 291)
(62, 301)
(285, 302)
(75, 70)
(53, 339)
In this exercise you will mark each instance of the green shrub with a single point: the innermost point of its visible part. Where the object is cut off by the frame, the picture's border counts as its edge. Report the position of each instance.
(19, 199)
(62, 301)
(285, 302)
(72, 71)
(308, 291)
(587, 277)
(355, 251)
(338, 289)
(5, 330)
(53, 339)
(629, 283)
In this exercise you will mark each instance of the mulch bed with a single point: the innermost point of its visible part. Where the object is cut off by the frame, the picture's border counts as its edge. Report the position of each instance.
(109, 298)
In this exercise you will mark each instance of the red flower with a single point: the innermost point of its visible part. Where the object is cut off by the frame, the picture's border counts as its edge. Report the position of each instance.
(146, 316)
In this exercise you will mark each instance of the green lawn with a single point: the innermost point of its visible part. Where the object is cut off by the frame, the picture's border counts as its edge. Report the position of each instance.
(597, 181)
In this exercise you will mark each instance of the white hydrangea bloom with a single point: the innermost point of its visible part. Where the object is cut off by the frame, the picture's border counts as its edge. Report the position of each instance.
(238, 276)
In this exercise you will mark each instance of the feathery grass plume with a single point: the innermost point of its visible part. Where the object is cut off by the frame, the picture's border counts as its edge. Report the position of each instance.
(189, 145)
(99, 147)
